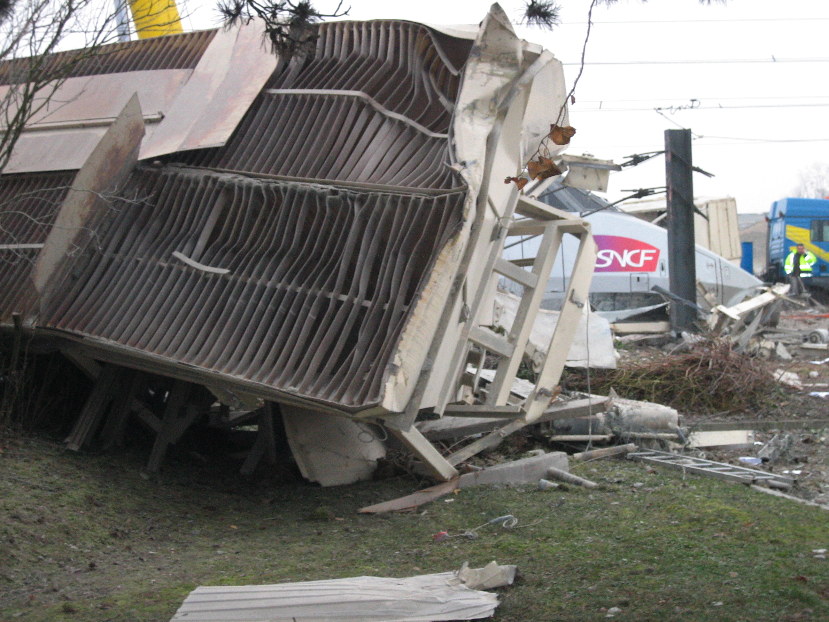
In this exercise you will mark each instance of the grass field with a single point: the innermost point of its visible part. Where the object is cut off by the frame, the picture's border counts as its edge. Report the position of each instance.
(88, 538)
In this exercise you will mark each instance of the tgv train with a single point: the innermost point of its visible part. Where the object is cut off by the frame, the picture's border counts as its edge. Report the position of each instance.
(632, 258)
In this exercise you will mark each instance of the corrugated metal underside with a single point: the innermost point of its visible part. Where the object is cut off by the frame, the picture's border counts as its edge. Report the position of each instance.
(319, 285)
(294, 274)
(373, 105)
(172, 52)
(30, 204)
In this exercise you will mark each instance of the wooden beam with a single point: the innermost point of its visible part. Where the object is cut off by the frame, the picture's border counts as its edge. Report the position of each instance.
(438, 466)
(96, 404)
(170, 424)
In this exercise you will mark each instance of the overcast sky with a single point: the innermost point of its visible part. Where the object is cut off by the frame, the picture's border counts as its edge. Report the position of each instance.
(758, 124)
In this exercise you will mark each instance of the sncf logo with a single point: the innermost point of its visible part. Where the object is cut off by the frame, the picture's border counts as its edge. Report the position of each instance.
(618, 254)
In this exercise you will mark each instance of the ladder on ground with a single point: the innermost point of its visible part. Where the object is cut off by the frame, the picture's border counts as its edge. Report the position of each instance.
(721, 470)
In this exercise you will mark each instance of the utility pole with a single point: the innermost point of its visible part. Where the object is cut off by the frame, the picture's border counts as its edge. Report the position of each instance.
(681, 247)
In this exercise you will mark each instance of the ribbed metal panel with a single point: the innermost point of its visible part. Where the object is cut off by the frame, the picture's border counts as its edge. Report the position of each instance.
(319, 281)
(28, 206)
(170, 52)
(405, 66)
(333, 137)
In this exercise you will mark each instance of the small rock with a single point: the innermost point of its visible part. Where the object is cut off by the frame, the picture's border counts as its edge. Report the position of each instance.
(612, 612)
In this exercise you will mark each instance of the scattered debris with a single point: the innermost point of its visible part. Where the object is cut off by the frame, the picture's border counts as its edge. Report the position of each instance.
(782, 495)
(443, 596)
(741, 321)
(788, 378)
(522, 471)
(593, 331)
(778, 449)
(565, 476)
(607, 452)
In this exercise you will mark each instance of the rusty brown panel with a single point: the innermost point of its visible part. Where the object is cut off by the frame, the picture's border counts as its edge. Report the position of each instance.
(330, 137)
(406, 67)
(181, 51)
(28, 207)
(319, 285)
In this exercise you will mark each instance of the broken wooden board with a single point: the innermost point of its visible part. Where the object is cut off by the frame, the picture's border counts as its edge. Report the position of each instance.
(331, 450)
(442, 596)
(524, 471)
(457, 427)
(721, 438)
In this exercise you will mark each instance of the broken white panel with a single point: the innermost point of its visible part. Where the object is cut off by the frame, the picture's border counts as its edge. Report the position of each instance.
(64, 133)
(185, 109)
(721, 438)
(592, 345)
(331, 450)
(229, 76)
(422, 598)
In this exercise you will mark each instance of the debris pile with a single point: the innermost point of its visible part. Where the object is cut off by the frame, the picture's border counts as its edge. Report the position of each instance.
(711, 377)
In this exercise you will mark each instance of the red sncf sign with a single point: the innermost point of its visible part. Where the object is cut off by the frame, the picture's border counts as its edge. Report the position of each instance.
(618, 254)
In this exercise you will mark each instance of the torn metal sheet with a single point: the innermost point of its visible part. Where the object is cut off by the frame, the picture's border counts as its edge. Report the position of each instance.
(101, 176)
(194, 89)
(592, 345)
(331, 450)
(423, 598)
(65, 132)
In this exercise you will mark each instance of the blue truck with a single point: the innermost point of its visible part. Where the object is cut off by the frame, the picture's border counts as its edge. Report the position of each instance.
(795, 221)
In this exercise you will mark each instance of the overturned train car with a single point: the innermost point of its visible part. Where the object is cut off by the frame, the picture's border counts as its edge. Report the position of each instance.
(319, 232)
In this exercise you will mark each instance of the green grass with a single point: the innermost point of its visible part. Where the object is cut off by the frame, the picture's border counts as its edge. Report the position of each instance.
(87, 538)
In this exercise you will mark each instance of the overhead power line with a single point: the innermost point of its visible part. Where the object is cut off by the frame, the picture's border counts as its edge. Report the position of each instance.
(706, 21)
(711, 107)
(709, 61)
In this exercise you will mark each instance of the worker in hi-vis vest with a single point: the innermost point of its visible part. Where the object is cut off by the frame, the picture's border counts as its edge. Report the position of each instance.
(799, 266)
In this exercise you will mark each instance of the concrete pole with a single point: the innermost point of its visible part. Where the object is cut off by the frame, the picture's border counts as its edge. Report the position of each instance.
(681, 248)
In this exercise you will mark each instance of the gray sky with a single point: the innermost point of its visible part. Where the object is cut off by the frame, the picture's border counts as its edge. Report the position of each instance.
(757, 124)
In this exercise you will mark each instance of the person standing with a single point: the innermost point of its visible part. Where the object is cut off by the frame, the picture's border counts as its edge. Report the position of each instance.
(798, 266)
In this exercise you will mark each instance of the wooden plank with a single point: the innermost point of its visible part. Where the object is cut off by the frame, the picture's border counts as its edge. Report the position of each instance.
(414, 500)
(113, 432)
(265, 444)
(96, 404)
(533, 208)
(438, 466)
(634, 328)
(169, 424)
(481, 410)
(526, 227)
(619, 450)
(515, 273)
(490, 440)
(457, 427)
(491, 341)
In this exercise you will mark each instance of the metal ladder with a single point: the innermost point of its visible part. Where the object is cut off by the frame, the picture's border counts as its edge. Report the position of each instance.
(721, 470)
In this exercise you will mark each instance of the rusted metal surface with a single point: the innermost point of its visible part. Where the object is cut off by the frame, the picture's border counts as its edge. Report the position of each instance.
(332, 137)
(28, 207)
(194, 90)
(319, 284)
(173, 52)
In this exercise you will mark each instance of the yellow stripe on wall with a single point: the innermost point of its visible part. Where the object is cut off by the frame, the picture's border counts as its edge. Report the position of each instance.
(154, 18)
(799, 235)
